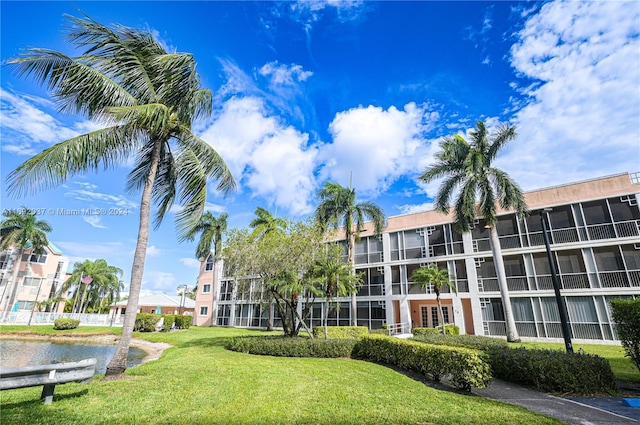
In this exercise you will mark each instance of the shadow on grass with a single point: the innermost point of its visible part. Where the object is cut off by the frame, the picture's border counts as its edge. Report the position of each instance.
(8, 406)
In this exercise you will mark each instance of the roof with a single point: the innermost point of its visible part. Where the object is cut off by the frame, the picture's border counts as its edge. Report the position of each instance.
(163, 300)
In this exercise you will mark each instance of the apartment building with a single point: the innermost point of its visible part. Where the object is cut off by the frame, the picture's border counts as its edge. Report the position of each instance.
(594, 233)
(39, 277)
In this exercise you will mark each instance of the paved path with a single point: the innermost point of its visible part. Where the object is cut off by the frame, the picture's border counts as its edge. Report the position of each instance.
(578, 411)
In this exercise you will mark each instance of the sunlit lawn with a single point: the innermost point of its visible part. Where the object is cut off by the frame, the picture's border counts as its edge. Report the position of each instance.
(199, 382)
(622, 366)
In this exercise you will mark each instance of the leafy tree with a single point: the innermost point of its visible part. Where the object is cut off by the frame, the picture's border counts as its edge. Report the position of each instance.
(438, 278)
(335, 279)
(626, 314)
(147, 97)
(468, 165)
(100, 288)
(210, 229)
(22, 228)
(338, 207)
(264, 223)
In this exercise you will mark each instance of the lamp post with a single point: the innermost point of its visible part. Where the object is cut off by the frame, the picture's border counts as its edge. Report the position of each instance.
(182, 295)
(562, 308)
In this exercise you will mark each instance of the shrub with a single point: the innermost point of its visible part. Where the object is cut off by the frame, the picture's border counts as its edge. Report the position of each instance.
(183, 321)
(626, 314)
(466, 368)
(169, 320)
(553, 370)
(475, 342)
(146, 322)
(62, 324)
(341, 332)
(291, 347)
(450, 330)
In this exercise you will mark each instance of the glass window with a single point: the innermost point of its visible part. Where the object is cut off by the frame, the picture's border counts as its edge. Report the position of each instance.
(561, 217)
(206, 288)
(506, 225)
(622, 210)
(596, 212)
(204, 310)
(581, 310)
(209, 265)
(522, 309)
(514, 266)
(631, 256)
(608, 258)
(31, 281)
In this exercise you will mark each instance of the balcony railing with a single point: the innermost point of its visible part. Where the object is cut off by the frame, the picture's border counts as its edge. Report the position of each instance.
(619, 279)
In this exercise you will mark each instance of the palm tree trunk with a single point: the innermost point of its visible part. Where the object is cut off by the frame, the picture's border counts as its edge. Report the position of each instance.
(14, 289)
(511, 330)
(354, 303)
(118, 363)
(441, 313)
(215, 289)
(326, 318)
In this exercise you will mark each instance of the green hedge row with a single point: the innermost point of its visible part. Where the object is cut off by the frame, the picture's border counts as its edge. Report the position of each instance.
(626, 314)
(291, 347)
(468, 341)
(450, 330)
(341, 332)
(146, 322)
(553, 371)
(62, 324)
(465, 368)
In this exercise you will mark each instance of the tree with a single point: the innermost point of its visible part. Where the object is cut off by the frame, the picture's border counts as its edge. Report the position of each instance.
(147, 98)
(210, 229)
(338, 207)
(96, 285)
(264, 223)
(335, 278)
(469, 166)
(21, 228)
(438, 278)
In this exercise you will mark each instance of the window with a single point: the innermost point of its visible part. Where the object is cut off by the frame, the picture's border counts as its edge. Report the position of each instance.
(204, 310)
(209, 266)
(35, 258)
(206, 288)
(31, 281)
(4, 261)
(25, 305)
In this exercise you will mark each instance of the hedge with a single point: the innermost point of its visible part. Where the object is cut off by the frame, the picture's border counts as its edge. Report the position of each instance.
(464, 367)
(291, 347)
(450, 330)
(62, 324)
(183, 321)
(554, 371)
(341, 332)
(146, 322)
(468, 341)
(626, 314)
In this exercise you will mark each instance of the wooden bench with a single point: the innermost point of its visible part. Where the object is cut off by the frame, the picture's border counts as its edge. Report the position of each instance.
(48, 375)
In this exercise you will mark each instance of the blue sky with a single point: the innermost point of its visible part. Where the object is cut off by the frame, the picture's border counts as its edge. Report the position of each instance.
(308, 92)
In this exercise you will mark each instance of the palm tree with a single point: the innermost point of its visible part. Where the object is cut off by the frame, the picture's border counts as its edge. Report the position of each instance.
(103, 284)
(438, 278)
(336, 280)
(21, 228)
(338, 207)
(264, 223)
(469, 166)
(210, 229)
(147, 98)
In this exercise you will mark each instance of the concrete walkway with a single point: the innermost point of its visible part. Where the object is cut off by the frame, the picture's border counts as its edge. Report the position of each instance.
(575, 411)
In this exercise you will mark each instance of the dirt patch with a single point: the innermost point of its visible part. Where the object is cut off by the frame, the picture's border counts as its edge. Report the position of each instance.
(153, 349)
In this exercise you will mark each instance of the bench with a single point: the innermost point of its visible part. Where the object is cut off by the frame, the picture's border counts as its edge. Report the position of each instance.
(48, 375)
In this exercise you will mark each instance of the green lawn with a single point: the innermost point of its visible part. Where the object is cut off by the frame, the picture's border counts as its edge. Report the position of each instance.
(622, 367)
(199, 382)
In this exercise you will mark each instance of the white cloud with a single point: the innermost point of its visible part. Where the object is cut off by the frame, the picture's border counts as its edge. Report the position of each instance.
(411, 209)
(190, 262)
(282, 74)
(94, 221)
(91, 251)
(582, 117)
(156, 281)
(377, 146)
(103, 198)
(153, 251)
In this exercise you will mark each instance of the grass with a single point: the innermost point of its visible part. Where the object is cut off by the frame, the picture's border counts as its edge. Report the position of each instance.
(622, 367)
(199, 382)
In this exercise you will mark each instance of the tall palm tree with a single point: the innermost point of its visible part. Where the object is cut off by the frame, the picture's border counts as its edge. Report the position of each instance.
(468, 165)
(104, 283)
(147, 98)
(438, 278)
(210, 229)
(264, 223)
(21, 228)
(338, 207)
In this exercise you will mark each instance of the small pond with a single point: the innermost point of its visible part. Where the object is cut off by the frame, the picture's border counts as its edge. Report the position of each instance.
(27, 353)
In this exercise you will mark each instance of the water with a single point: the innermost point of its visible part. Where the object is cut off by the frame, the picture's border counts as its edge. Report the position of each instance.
(28, 353)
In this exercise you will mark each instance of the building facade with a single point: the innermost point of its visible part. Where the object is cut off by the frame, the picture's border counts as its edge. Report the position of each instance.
(594, 231)
(39, 278)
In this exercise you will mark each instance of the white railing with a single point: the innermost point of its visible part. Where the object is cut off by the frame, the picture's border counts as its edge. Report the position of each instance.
(399, 328)
(22, 317)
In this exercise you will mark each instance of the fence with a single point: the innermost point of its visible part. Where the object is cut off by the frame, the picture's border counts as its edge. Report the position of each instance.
(22, 317)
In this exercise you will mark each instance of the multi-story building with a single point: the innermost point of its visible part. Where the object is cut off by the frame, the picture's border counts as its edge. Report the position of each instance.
(39, 277)
(594, 231)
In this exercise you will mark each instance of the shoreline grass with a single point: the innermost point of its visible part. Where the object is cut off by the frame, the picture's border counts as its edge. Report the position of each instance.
(199, 382)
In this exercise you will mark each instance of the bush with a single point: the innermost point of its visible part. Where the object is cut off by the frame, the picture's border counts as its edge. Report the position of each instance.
(183, 321)
(291, 347)
(450, 330)
(466, 368)
(146, 322)
(62, 324)
(626, 314)
(553, 370)
(341, 332)
(169, 320)
(475, 342)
